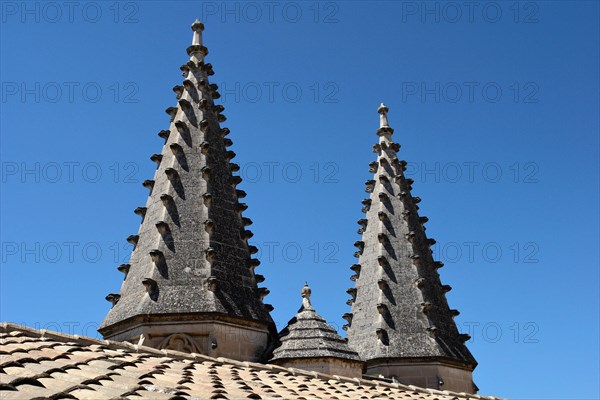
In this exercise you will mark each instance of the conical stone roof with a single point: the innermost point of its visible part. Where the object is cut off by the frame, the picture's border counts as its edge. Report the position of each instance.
(191, 256)
(308, 335)
(399, 307)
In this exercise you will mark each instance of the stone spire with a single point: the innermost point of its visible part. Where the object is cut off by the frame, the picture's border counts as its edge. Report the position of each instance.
(400, 322)
(309, 342)
(190, 283)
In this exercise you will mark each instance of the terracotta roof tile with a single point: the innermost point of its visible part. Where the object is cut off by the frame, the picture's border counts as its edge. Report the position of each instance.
(52, 365)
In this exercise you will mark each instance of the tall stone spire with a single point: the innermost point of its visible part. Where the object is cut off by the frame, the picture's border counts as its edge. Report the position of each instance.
(190, 283)
(400, 322)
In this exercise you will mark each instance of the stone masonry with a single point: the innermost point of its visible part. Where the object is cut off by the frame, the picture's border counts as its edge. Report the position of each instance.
(400, 322)
(190, 283)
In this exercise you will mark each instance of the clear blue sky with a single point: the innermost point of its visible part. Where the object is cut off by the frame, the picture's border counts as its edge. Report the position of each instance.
(495, 105)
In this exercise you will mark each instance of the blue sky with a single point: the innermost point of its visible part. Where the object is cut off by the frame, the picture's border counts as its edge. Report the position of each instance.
(495, 105)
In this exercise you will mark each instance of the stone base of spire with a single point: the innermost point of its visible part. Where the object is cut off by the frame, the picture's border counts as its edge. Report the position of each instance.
(214, 336)
(326, 365)
(434, 374)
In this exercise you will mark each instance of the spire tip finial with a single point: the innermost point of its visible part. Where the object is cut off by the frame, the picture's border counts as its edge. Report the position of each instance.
(383, 119)
(197, 51)
(306, 292)
(197, 25)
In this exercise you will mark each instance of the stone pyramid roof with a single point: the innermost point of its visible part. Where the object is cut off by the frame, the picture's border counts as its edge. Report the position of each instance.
(308, 335)
(39, 364)
(191, 253)
(399, 307)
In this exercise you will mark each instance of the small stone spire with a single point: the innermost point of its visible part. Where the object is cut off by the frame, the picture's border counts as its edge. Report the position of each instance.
(306, 292)
(309, 342)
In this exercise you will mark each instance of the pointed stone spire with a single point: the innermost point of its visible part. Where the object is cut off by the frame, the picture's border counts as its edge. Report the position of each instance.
(401, 324)
(191, 274)
(309, 342)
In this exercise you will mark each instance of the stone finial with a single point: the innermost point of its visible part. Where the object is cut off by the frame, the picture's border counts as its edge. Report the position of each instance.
(305, 293)
(383, 119)
(197, 51)
(197, 27)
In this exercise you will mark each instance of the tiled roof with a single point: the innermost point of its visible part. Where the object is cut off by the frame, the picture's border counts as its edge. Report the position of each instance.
(37, 364)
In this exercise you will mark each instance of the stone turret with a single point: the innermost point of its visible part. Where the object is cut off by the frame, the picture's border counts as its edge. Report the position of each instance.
(401, 324)
(190, 283)
(309, 342)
